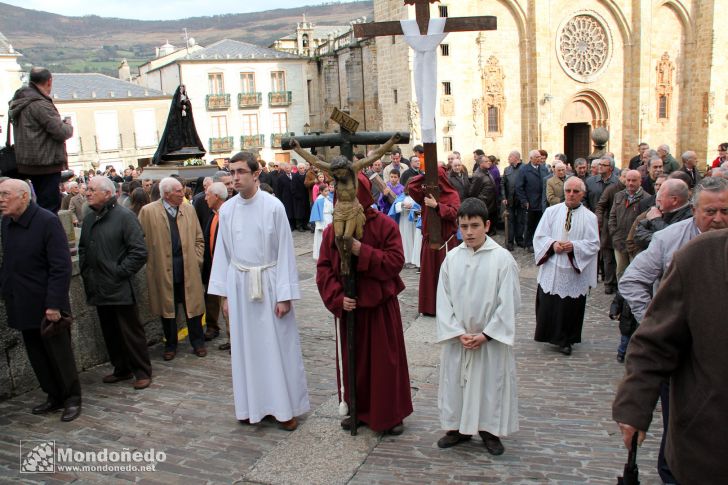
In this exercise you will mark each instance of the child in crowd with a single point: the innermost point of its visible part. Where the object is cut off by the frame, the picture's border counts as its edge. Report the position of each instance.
(322, 213)
(394, 188)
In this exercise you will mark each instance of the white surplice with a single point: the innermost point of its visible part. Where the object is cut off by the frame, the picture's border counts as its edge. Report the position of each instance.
(254, 238)
(478, 291)
(557, 276)
(409, 232)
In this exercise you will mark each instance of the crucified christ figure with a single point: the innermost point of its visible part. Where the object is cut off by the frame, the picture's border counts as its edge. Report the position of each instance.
(348, 213)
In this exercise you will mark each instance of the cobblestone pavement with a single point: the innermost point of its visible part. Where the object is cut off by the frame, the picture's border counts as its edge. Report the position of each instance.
(566, 435)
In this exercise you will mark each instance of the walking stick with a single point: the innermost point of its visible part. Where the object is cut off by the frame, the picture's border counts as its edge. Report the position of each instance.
(506, 225)
(350, 292)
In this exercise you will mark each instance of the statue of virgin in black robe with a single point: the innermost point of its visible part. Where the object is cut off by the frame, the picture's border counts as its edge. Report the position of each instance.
(180, 132)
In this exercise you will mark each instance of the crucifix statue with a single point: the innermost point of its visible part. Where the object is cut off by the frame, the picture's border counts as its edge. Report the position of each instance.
(349, 215)
(424, 35)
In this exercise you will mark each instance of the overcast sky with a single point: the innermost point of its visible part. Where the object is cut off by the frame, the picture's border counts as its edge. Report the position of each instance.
(156, 10)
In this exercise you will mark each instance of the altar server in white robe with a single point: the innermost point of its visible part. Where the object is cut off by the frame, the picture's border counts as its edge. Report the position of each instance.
(566, 244)
(404, 210)
(478, 296)
(255, 269)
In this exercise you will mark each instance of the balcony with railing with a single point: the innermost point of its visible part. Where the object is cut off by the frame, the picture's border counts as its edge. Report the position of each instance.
(216, 102)
(252, 141)
(249, 100)
(221, 145)
(280, 98)
(275, 139)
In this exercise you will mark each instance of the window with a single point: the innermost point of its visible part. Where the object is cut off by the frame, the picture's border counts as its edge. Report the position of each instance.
(662, 107)
(394, 39)
(280, 122)
(73, 144)
(247, 82)
(493, 121)
(218, 127)
(250, 125)
(277, 81)
(107, 130)
(304, 41)
(446, 88)
(445, 49)
(395, 96)
(447, 143)
(215, 83)
(145, 128)
(443, 10)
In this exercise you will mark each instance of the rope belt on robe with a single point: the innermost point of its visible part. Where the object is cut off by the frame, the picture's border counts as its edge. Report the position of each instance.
(465, 363)
(255, 284)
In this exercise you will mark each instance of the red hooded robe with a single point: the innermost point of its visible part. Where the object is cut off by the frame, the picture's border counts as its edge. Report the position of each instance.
(382, 378)
(431, 259)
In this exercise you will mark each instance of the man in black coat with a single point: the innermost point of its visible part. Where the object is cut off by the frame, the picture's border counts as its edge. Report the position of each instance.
(35, 279)
(291, 191)
(215, 195)
(111, 251)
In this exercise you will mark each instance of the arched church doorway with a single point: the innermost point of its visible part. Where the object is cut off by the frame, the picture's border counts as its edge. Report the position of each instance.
(586, 111)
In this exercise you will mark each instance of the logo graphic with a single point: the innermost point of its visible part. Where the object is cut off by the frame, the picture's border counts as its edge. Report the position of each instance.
(37, 456)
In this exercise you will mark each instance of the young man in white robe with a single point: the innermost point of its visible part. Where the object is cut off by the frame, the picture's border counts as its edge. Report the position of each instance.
(403, 211)
(566, 244)
(478, 296)
(255, 270)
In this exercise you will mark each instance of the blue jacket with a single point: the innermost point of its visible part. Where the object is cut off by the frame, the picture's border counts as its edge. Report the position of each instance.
(529, 185)
(36, 269)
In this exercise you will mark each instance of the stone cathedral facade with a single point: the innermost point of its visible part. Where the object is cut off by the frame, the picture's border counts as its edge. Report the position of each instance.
(554, 70)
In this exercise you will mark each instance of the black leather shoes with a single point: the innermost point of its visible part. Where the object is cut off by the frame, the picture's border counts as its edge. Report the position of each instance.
(346, 423)
(395, 430)
(71, 412)
(47, 407)
(566, 349)
(452, 438)
(492, 443)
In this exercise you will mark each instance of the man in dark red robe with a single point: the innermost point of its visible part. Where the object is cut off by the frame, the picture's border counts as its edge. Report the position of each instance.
(431, 259)
(382, 377)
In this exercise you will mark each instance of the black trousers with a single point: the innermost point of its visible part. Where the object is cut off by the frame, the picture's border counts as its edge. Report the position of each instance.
(125, 340)
(54, 366)
(212, 312)
(516, 224)
(47, 190)
(194, 324)
(610, 268)
(532, 220)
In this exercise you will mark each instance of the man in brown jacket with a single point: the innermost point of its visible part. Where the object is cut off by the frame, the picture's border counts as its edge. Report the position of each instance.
(624, 211)
(176, 248)
(683, 338)
(40, 137)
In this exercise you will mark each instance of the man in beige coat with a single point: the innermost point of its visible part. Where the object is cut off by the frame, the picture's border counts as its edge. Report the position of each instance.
(555, 185)
(176, 248)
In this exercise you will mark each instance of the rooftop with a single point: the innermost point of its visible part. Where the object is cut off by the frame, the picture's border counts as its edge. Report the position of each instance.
(234, 49)
(88, 86)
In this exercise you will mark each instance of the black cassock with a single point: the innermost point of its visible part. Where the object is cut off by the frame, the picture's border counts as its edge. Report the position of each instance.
(180, 130)
(292, 193)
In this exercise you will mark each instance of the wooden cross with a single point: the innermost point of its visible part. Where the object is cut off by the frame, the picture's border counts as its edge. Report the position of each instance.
(452, 24)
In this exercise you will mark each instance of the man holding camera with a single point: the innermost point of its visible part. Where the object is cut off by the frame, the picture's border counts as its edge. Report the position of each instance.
(40, 137)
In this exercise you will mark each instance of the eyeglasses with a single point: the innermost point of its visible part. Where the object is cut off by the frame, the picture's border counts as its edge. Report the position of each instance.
(6, 195)
(605, 164)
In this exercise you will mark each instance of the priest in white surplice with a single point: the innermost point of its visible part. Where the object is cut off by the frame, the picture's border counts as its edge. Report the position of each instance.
(478, 295)
(255, 269)
(566, 244)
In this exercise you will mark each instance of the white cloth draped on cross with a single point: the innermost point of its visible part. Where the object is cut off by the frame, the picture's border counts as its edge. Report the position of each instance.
(425, 64)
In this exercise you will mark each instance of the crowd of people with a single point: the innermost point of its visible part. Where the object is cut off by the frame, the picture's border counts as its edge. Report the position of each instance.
(223, 246)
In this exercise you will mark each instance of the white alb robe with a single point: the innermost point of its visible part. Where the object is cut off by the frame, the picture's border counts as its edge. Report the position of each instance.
(409, 232)
(557, 275)
(267, 365)
(478, 291)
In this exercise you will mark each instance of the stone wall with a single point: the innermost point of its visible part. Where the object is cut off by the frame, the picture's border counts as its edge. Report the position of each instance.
(16, 374)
